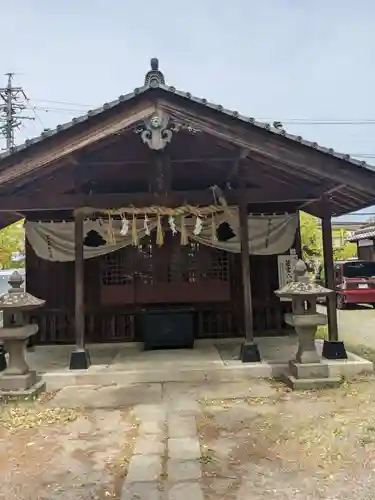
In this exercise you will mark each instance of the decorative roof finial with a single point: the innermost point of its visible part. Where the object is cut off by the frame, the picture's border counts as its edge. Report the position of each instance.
(154, 77)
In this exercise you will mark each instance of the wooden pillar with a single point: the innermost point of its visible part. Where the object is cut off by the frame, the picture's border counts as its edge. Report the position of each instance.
(249, 350)
(329, 274)
(333, 348)
(80, 358)
(246, 283)
(298, 240)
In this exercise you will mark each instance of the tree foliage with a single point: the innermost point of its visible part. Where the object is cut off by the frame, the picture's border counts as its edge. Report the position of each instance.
(12, 241)
(345, 252)
(311, 237)
(312, 241)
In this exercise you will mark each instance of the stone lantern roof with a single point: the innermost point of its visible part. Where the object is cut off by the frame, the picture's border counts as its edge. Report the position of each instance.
(16, 298)
(302, 286)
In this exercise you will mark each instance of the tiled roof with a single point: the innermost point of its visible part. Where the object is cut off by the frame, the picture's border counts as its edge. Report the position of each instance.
(367, 231)
(155, 79)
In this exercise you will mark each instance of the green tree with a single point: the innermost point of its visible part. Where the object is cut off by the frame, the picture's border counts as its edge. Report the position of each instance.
(345, 252)
(312, 241)
(12, 241)
(311, 237)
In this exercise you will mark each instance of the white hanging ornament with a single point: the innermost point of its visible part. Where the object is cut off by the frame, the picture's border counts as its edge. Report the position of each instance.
(198, 226)
(124, 226)
(145, 225)
(172, 224)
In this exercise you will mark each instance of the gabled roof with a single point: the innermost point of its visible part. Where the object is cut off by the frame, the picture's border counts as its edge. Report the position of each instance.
(154, 79)
(365, 232)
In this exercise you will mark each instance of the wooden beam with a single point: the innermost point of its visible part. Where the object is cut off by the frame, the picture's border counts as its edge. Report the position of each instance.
(108, 201)
(79, 358)
(246, 283)
(79, 282)
(249, 351)
(329, 271)
(271, 146)
(66, 146)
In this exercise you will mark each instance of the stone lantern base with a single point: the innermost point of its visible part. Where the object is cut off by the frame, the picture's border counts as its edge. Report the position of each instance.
(307, 371)
(305, 376)
(17, 380)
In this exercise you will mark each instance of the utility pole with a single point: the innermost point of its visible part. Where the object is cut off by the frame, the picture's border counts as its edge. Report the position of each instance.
(12, 102)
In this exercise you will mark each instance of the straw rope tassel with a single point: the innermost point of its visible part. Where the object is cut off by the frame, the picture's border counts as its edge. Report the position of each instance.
(134, 231)
(184, 236)
(213, 229)
(159, 233)
(111, 236)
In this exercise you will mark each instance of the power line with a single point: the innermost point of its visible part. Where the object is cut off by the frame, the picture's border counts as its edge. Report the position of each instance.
(11, 104)
(64, 103)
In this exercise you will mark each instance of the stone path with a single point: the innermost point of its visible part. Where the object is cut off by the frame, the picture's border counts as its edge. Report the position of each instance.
(234, 441)
(167, 447)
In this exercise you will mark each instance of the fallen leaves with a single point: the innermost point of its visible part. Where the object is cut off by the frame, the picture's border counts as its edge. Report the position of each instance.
(21, 417)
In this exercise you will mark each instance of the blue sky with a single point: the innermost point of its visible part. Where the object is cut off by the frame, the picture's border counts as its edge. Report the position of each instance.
(274, 60)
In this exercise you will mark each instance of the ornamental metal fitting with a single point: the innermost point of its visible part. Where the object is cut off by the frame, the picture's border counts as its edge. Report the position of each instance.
(157, 131)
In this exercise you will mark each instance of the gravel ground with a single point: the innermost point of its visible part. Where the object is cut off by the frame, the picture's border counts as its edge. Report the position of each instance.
(310, 445)
(356, 325)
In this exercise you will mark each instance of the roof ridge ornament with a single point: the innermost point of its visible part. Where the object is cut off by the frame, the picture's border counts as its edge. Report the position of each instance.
(154, 77)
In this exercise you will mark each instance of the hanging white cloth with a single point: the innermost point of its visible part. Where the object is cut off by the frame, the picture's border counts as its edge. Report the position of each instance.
(268, 235)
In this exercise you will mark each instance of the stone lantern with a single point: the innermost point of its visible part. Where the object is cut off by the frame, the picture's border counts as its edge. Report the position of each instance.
(306, 369)
(17, 379)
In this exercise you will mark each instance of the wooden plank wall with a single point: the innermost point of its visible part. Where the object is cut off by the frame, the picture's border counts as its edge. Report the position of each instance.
(106, 322)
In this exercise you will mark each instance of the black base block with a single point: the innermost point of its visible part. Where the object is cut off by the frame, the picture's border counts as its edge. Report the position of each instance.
(79, 360)
(249, 353)
(334, 349)
(3, 361)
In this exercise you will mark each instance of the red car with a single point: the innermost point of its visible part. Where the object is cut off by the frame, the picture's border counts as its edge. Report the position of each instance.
(355, 282)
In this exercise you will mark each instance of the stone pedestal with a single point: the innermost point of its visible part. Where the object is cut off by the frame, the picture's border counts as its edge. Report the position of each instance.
(334, 349)
(306, 371)
(305, 326)
(3, 360)
(79, 360)
(17, 380)
(249, 353)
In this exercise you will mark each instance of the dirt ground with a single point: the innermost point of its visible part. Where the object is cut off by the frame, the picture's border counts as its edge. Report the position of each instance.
(310, 445)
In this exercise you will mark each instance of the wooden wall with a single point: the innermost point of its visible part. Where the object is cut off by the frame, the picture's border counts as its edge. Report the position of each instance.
(120, 284)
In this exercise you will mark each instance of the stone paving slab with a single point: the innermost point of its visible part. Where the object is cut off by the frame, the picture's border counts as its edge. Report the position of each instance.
(180, 425)
(185, 491)
(183, 470)
(184, 448)
(107, 396)
(144, 468)
(142, 491)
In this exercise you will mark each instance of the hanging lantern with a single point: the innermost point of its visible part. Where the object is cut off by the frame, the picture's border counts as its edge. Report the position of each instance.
(172, 224)
(198, 226)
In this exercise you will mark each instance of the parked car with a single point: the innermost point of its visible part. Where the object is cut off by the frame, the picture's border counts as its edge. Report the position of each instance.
(354, 282)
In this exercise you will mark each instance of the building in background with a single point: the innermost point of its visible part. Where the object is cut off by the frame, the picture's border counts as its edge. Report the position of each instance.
(364, 237)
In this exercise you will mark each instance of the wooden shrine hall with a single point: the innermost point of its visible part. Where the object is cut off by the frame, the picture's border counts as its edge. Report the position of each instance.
(161, 217)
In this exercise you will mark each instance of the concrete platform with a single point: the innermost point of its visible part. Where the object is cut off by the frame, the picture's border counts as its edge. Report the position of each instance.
(210, 361)
(26, 394)
(305, 384)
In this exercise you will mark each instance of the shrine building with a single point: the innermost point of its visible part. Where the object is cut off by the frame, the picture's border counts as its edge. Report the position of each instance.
(162, 218)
